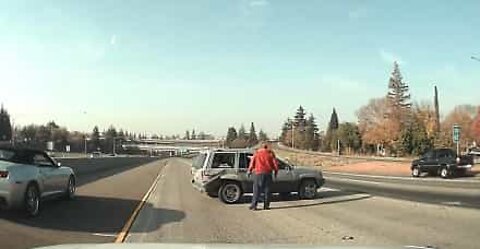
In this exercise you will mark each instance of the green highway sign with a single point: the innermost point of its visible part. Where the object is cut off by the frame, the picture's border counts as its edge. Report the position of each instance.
(456, 133)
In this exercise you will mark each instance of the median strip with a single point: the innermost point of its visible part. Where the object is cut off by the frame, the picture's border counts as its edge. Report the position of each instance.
(126, 228)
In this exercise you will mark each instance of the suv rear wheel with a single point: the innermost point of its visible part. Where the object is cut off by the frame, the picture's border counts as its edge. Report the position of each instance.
(308, 189)
(230, 192)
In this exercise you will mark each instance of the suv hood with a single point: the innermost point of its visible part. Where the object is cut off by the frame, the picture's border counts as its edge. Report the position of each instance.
(199, 246)
(307, 170)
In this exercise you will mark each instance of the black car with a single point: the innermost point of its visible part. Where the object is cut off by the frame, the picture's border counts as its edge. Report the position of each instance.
(443, 162)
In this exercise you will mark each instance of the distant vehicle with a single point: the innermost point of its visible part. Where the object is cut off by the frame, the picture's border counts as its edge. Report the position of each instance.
(475, 151)
(443, 162)
(96, 154)
(223, 173)
(27, 177)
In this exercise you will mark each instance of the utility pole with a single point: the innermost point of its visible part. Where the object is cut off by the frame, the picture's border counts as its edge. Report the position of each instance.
(338, 147)
(293, 136)
(114, 145)
(85, 144)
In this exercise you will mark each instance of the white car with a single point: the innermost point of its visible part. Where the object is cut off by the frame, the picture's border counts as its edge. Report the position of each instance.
(29, 176)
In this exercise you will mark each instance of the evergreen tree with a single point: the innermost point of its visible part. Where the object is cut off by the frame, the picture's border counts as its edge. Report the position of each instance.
(299, 118)
(299, 123)
(398, 97)
(231, 136)
(242, 133)
(311, 134)
(252, 136)
(262, 136)
(349, 136)
(330, 140)
(5, 125)
(95, 138)
(187, 135)
(333, 124)
(286, 128)
(193, 136)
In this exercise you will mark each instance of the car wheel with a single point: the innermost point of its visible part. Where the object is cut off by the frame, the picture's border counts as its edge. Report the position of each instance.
(230, 192)
(71, 188)
(308, 189)
(444, 172)
(32, 200)
(415, 171)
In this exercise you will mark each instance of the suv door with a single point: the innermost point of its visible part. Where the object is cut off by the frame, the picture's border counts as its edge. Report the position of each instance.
(284, 182)
(243, 163)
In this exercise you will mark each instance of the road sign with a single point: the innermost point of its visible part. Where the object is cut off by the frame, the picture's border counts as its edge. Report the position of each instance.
(456, 133)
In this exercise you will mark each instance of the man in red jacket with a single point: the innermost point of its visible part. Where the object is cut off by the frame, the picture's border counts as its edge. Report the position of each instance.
(262, 164)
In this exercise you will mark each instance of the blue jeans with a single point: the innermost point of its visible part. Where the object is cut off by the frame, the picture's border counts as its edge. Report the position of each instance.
(261, 184)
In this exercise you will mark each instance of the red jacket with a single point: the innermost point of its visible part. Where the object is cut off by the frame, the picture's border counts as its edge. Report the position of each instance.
(263, 161)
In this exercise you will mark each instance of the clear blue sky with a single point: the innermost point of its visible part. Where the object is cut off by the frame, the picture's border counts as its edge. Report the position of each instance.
(165, 66)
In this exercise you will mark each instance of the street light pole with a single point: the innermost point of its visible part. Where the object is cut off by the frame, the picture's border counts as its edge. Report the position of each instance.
(85, 144)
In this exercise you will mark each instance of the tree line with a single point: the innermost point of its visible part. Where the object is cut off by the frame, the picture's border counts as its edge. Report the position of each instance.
(389, 125)
(242, 139)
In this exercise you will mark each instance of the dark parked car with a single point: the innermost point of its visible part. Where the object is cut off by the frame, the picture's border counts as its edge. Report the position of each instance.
(443, 162)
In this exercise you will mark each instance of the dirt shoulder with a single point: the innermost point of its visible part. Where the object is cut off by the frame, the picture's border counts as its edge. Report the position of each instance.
(352, 165)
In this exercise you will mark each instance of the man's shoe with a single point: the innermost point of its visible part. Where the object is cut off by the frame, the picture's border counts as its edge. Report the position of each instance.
(266, 208)
(253, 208)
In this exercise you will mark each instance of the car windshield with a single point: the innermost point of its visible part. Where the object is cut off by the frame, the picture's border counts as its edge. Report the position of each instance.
(159, 121)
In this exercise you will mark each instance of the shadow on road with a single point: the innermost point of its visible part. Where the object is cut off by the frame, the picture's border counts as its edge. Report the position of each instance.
(323, 197)
(89, 214)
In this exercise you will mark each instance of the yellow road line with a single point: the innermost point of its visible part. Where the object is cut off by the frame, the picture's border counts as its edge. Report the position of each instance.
(126, 228)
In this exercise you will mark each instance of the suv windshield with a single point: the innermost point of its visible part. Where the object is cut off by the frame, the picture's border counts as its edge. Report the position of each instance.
(199, 161)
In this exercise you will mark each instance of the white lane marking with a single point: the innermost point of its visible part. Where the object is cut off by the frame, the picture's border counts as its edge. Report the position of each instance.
(452, 203)
(104, 234)
(420, 247)
(400, 177)
(326, 189)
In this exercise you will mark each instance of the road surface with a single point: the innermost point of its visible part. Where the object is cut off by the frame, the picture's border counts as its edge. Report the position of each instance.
(109, 190)
(175, 212)
(464, 192)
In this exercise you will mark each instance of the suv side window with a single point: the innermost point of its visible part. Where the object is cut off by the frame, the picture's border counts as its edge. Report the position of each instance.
(428, 155)
(223, 160)
(444, 154)
(245, 160)
(41, 160)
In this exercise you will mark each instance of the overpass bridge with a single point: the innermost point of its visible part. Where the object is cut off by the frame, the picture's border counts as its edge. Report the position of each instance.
(170, 147)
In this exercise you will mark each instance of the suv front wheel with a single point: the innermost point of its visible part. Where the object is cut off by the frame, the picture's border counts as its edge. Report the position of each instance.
(308, 189)
(230, 192)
